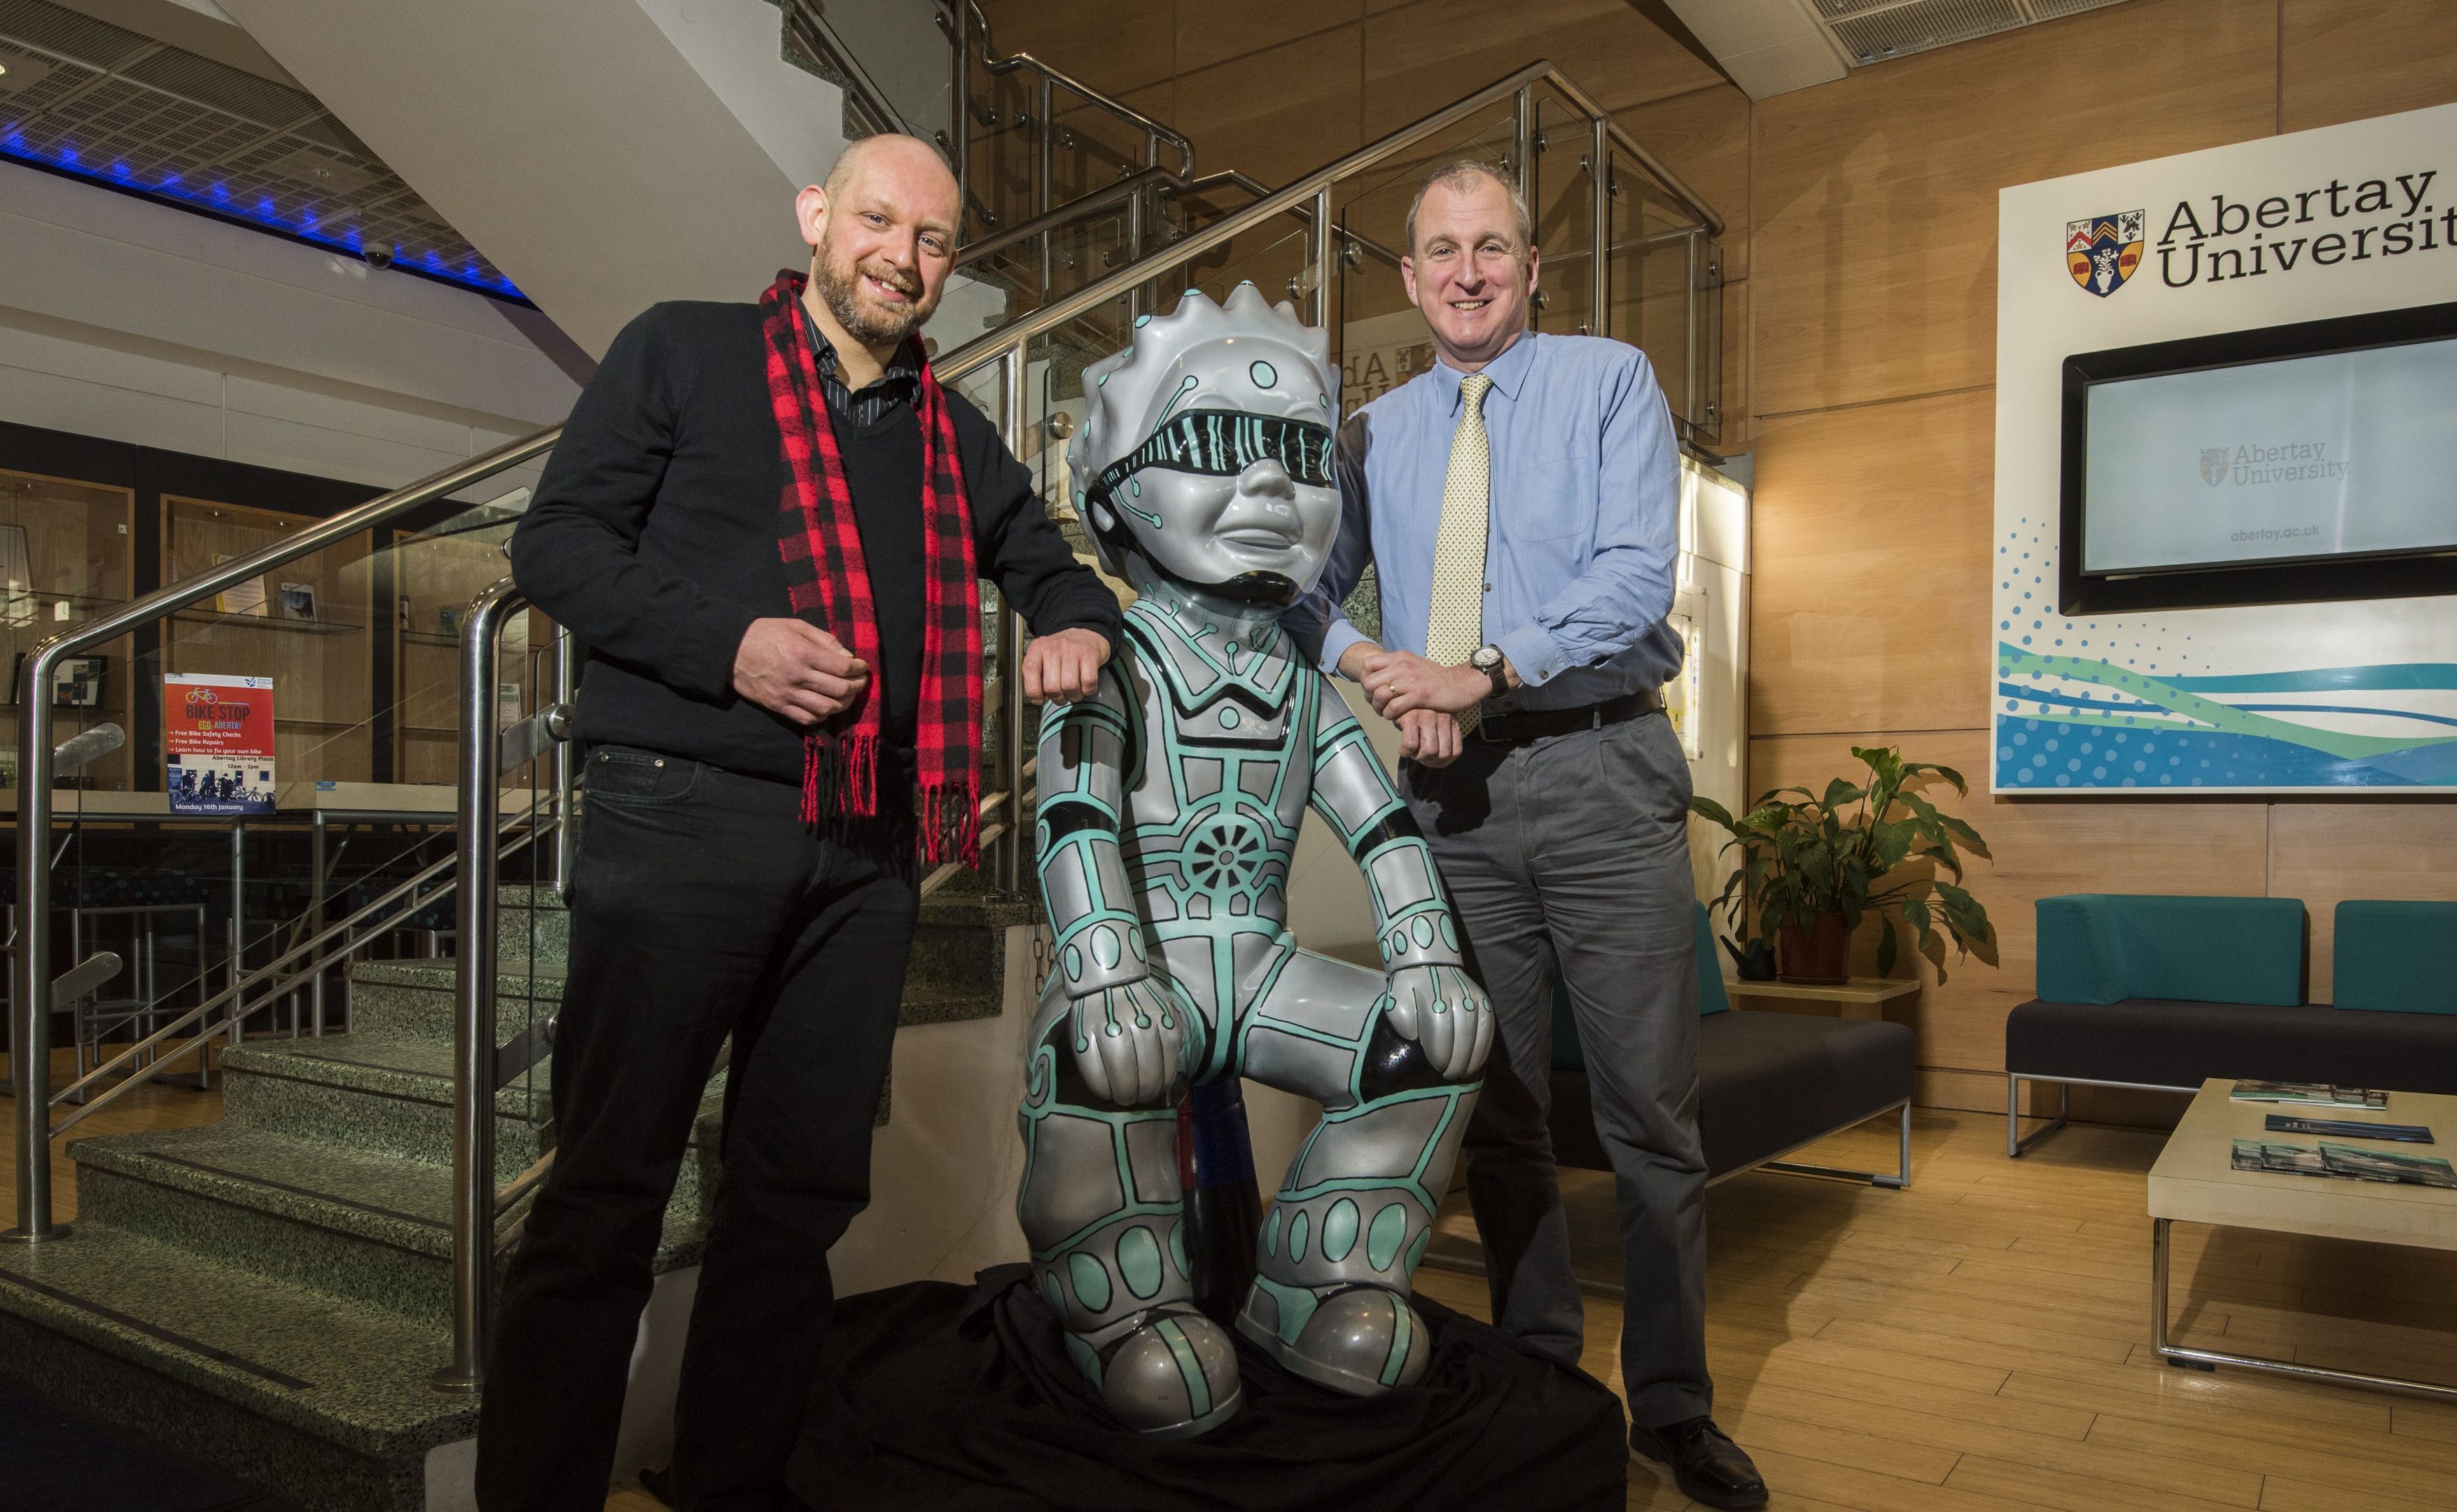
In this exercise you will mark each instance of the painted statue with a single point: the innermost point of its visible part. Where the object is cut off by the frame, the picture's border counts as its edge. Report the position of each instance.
(1169, 810)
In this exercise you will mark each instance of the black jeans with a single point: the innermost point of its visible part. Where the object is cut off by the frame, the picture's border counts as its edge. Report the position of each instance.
(701, 907)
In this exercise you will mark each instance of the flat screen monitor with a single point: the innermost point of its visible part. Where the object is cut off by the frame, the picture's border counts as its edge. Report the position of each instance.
(2295, 464)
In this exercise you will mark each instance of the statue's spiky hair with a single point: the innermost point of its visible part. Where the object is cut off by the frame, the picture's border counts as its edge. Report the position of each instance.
(1125, 394)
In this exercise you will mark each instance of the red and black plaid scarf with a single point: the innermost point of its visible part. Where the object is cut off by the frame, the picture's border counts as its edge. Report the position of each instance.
(824, 571)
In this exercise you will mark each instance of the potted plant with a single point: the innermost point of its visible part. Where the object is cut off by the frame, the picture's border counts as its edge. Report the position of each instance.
(1813, 865)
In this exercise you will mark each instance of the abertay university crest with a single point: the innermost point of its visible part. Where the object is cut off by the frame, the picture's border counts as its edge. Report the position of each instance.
(2102, 252)
(2213, 465)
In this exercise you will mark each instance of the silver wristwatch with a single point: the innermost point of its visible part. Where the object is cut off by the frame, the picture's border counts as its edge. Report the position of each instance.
(1486, 659)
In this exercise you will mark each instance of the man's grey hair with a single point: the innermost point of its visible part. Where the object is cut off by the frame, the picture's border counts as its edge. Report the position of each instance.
(1462, 174)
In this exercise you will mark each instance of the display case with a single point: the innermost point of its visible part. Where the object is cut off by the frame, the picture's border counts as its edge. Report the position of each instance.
(65, 555)
(435, 575)
(307, 625)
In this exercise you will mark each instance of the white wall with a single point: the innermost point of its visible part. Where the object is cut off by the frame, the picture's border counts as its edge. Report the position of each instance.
(134, 322)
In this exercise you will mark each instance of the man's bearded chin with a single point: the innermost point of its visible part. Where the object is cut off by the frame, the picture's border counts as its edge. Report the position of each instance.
(839, 284)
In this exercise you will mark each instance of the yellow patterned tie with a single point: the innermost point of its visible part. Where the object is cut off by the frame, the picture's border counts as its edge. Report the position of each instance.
(1457, 626)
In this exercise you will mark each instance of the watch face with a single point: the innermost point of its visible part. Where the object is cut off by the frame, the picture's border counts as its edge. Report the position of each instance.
(1485, 658)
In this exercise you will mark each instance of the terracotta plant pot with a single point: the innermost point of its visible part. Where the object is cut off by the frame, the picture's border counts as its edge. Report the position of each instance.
(1819, 955)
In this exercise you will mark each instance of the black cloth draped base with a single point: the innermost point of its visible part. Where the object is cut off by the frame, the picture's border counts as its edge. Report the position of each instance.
(962, 1399)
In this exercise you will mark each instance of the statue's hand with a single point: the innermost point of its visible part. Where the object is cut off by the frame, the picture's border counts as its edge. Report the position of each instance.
(1131, 1040)
(1441, 1009)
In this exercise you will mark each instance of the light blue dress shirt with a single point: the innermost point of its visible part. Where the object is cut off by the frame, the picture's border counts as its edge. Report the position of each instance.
(1584, 520)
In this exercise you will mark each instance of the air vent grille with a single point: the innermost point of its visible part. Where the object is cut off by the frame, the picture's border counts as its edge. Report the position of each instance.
(66, 35)
(122, 110)
(1923, 24)
(1875, 30)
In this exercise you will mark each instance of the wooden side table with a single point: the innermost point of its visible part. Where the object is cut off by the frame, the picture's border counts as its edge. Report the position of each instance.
(2194, 1182)
(1861, 998)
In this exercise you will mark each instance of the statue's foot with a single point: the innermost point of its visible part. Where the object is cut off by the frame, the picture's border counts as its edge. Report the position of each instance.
(1171, 1371)
(1358, 1339)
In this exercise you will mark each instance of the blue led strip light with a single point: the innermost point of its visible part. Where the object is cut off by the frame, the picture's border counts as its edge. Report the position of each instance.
(215, 200)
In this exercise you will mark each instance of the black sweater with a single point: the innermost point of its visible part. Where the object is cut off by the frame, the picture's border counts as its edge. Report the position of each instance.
(654, 540)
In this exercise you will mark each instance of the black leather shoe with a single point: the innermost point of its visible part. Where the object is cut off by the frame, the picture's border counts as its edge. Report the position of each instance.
(1706, 1463)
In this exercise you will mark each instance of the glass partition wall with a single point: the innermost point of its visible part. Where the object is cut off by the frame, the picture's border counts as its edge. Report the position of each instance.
(218, 834)
(66, 554)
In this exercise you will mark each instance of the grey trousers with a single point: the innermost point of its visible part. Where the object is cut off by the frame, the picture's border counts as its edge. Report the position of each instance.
(1571, 854)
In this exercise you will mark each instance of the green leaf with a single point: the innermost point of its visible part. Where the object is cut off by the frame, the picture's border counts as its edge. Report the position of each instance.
(1840, 793)
(1886, 949)
(1708, 810)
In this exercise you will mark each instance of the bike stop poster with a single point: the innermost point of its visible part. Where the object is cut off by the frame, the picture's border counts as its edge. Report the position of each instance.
(218, 742)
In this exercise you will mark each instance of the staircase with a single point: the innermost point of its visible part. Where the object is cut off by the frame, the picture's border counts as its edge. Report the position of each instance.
(268, 1294)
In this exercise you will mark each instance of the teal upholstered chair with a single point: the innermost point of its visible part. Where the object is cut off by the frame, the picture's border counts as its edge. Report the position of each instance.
(2380, 961)
(2104, 948)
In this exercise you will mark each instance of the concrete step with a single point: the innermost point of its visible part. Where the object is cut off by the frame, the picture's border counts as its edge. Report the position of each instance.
(363, 1228)
(322, 1402)
(378, 1093)
(414, 999)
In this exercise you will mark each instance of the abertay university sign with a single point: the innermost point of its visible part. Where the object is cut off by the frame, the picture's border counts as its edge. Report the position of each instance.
(2219, 467)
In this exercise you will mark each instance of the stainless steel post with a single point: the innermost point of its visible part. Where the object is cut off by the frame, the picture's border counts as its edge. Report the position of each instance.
(1320, 254)
(316, 917)
(1010, 661)
(237, 1012)
(2159, 1246)
(29, 1058)
(1697, 303)
(567, 770)
(474, 1022)
(1598, 281)
(1041, 197)
(1523, 143)
(959, 114)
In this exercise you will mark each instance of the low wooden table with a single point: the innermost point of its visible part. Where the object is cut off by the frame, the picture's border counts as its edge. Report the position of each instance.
(1861, 998)
(2194, 1183)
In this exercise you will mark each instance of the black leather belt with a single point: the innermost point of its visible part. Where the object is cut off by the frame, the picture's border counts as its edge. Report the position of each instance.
(1514, 730)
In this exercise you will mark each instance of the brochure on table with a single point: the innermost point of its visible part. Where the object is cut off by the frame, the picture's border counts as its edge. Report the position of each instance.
(218, 742)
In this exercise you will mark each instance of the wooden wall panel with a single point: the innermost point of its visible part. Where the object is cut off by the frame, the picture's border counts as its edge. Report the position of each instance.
(1209, 33)
(2346, 60)
(1111, 45)
(1875, 197)
(2328, 852)
(2041, 848)
(1703, 137)
(1277, 113)
(1870, 550)
(1421, 56)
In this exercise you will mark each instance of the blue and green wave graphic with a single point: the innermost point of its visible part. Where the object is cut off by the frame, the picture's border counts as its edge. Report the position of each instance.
(2068, 721)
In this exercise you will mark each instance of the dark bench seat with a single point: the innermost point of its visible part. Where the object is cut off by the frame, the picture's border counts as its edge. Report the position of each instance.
(2220, 984)
(2162, 1043)
(1768, 1082)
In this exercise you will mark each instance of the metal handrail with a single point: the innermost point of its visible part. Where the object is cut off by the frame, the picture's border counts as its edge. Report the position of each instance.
(31, 971)
(1017, 334)
(1074, 210)
(236, 994)
(1154, 132)
(1162, 180)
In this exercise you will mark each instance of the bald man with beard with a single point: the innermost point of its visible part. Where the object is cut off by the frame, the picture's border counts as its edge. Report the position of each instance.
(765, 520)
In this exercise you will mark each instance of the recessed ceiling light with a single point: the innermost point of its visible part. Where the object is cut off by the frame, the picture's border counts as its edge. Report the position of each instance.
(4, 67)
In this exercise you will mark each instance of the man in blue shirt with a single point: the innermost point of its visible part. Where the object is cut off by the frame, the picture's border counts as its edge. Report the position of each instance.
(1520, 502)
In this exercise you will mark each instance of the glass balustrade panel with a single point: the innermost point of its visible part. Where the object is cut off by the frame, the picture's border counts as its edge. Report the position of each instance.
(1561, 201)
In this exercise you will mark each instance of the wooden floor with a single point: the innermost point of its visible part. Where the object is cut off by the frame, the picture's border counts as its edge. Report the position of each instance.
(1981, 1340)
